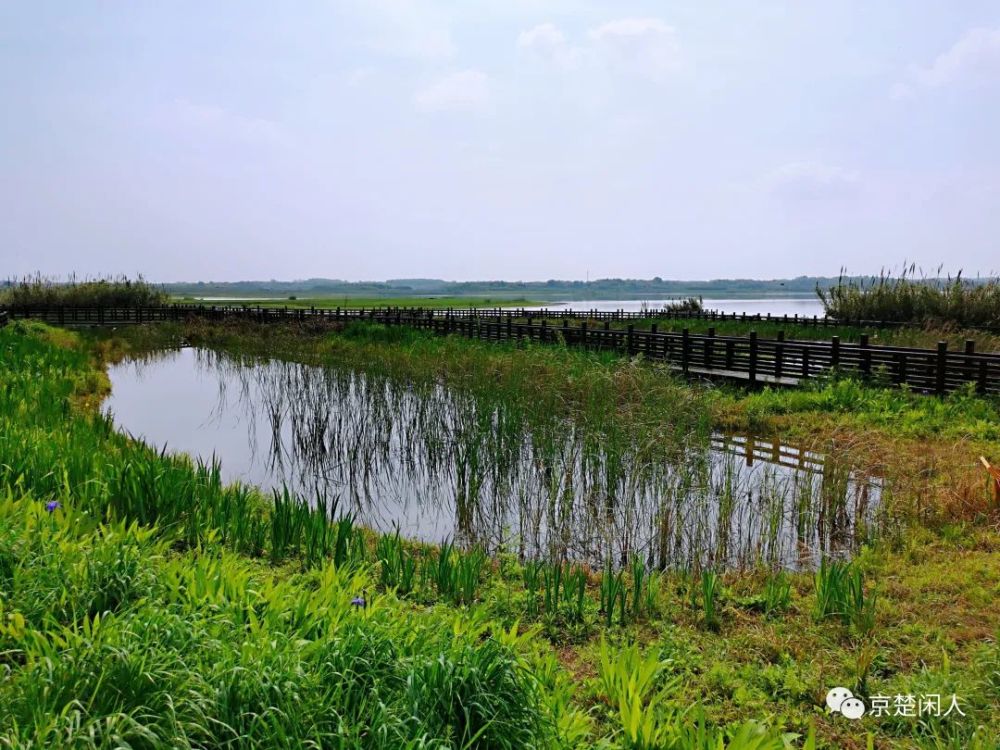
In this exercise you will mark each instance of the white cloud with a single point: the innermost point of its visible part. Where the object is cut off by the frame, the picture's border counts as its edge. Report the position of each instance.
(645, 46)
(975, 57)
(976, 54)
(549, 43)
(466, 91)
(804, 180)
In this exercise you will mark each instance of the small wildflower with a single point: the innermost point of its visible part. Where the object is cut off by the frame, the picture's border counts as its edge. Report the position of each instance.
(358, 601)
(52, 505)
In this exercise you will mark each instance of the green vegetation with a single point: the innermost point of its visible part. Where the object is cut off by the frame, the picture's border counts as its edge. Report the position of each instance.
(118, 291)
(142, 602)
(908, 299)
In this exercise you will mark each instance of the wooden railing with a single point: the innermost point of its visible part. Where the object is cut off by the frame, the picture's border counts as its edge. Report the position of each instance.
(750, 359)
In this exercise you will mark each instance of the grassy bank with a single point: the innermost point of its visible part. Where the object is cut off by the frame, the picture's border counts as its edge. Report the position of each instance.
(155, 606)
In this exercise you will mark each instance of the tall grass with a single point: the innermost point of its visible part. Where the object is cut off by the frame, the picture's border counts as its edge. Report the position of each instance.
(113, 291)
(840, 593)
(455, 574)
(912, 297)
(109, 641)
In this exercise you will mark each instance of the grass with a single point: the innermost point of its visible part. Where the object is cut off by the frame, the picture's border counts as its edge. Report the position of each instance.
(157, 607)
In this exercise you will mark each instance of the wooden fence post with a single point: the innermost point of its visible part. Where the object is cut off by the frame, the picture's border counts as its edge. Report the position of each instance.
(942, 364)
(779, 353)
(969, 369)
(866, 357)
(753, 358)
(834, 352)
(685, 349)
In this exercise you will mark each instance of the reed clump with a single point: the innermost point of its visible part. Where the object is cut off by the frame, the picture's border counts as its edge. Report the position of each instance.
(912, 297)
(111, 291)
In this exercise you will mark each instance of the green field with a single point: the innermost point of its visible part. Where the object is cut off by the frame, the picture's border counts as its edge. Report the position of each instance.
(145, 604)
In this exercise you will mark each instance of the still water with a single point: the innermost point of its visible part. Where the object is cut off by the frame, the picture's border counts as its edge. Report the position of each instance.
(440, 463)
(804, 306)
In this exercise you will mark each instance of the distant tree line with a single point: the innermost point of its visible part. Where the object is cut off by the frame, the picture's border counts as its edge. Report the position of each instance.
(551, 289)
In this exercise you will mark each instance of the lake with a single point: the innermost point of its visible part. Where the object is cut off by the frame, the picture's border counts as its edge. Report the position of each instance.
(807, 306)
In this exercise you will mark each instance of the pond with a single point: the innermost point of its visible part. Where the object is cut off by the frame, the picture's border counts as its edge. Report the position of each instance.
(439, 463)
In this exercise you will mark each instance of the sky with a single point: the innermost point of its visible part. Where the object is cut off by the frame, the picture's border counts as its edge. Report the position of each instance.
(498, 139)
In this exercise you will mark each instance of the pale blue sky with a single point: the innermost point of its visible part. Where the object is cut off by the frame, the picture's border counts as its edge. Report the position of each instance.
(515, 139)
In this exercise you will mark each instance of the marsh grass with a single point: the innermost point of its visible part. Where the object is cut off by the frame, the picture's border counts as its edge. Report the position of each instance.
(840, 593)
(710, 587)
(777, 594)
(113, 291)
(912, 297)
(455, 574)
(397, 563)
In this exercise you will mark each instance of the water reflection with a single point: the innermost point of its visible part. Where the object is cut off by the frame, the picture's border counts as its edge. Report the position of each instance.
(439, 463)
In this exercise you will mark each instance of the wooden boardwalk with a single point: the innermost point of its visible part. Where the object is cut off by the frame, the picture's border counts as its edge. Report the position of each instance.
(748, 359)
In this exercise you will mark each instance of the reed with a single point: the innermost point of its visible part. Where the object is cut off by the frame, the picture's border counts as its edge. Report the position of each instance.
(777, 593)
(710, 585)
(455, 574)
(397, 565)
(613, 594)
(912, 297)
(112, 291)
(840, 593)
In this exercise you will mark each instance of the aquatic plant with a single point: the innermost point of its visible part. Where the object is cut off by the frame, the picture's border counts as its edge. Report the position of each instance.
(840, 592)
(710, 585)
(397, 565)
(113, 291)
(777, 593)
(912, 297)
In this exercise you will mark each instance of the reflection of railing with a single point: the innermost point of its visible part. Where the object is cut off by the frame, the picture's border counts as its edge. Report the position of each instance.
(755, 449)
(749, 359)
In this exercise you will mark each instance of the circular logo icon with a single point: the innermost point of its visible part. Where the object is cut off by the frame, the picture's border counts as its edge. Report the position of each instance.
(836, 697)
(852, 708)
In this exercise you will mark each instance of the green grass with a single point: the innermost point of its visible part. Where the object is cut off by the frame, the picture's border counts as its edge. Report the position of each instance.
(156, 607)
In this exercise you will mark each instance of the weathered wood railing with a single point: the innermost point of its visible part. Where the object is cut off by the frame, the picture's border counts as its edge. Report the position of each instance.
(751, 359)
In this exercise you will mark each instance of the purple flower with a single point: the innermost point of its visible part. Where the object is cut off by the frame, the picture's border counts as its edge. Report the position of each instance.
(358, 601)
(51, 506)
